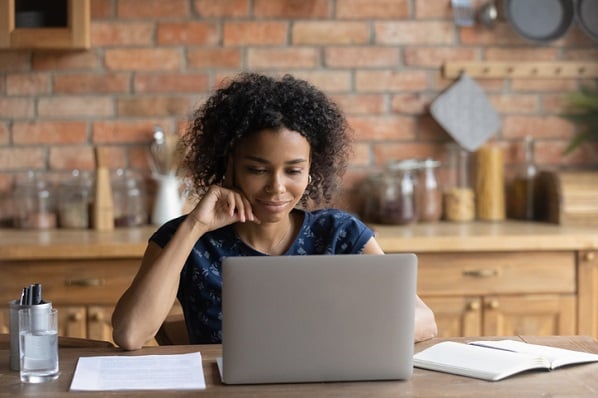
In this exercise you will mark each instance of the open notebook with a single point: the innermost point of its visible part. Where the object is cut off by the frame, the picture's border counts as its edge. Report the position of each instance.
(496, 360)
(318, 318)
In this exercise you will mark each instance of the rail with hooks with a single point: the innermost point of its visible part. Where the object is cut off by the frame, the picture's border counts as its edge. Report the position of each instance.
(539, 70)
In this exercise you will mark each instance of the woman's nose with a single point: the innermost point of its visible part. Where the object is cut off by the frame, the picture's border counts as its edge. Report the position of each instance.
(275, 184)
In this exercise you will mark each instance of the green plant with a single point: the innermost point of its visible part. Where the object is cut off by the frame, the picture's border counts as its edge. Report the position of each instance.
(583, 111)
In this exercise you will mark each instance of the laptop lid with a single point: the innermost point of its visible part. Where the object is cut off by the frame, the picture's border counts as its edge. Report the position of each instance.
(289, 319)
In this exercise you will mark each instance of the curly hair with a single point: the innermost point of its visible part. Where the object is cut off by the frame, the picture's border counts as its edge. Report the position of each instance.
(251, 103)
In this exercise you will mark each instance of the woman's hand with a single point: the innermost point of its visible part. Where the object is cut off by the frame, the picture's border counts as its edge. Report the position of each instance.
(222, 206)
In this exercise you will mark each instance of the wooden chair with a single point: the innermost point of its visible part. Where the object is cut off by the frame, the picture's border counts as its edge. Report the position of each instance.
(173, 331)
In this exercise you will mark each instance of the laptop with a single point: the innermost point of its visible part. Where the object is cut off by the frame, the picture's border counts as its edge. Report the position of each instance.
(317, 318)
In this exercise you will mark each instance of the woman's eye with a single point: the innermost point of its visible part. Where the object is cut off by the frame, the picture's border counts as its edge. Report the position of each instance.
(295, 171)
(255, 170)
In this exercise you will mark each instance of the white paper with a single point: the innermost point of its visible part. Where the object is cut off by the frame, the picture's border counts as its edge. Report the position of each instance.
(143, 372)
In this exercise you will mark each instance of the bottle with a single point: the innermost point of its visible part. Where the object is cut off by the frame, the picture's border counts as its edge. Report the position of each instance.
(75, 198)
(35, 202)
(429, 203)
(459, 195)
(522, 187)
(397, 193)
(490, 184)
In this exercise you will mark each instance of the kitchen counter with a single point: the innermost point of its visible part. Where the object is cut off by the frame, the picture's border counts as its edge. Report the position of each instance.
(16, 244)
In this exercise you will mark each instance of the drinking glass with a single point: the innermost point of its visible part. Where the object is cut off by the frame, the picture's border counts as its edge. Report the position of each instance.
(38, 332)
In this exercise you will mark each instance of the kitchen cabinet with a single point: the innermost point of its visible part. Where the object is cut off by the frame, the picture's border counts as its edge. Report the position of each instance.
(70, 35)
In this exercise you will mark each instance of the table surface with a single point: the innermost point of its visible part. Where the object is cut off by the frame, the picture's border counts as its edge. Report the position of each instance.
(578, 380)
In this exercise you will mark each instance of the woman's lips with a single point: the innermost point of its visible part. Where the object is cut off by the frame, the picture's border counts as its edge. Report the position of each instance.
(273, 205)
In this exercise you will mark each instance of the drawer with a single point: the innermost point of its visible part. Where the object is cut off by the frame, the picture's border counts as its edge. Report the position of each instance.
(496, 273)
(69, 282)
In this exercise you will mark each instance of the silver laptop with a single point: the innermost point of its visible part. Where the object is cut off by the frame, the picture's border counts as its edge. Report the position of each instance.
(290, 319)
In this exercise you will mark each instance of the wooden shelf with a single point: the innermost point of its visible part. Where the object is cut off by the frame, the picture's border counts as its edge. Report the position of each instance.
(537, 70)
(75, 36)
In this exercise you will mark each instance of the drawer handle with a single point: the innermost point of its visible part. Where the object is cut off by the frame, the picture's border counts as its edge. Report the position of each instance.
(86, 282)
(481, 273)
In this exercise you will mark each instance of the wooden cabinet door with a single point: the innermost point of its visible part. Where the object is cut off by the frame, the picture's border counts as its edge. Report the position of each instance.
(99, 322)
(540, 315)
(587, 279)
(456, 316)
(72, 321)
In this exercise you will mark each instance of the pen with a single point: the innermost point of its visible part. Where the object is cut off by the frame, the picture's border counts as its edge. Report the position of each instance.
(23, 296)
(37, 294)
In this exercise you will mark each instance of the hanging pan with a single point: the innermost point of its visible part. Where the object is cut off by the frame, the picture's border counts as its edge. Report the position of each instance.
(540, 21)
(587, 17)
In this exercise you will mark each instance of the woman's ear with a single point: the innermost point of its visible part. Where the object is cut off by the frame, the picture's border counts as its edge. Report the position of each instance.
(229, 175)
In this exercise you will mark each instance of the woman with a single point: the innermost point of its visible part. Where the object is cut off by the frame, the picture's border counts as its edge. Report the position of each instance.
(260, 152)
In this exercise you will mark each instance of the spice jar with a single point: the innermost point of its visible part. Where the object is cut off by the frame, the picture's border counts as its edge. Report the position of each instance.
(75, 200)
(459, 195)
(429, 203)
(397, 193)
(35, 202)
(129, 198)
(371, 201)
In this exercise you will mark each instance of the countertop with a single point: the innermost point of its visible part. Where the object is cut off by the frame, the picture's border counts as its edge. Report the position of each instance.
(17, 244)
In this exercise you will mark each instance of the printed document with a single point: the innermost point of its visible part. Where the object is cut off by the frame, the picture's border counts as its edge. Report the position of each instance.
(141, 372)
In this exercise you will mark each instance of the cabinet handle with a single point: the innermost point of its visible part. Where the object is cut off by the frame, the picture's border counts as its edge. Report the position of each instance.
(473, 306)
(493, 304)
(589, 256)
(85, 282)
(76, 317)
(481, 273)
(97, 316)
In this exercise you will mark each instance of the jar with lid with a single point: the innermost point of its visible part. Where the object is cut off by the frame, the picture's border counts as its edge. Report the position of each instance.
(370, 195)
(129, 198)
(35, 202)
(429, 201)
(459, 195)
(75, 200)
(397, 193)
(522, 190)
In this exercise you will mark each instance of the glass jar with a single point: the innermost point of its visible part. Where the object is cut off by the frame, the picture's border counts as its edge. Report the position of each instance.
(429, 203)
(371, 201)
(75, 200)
(459, 195)
(522, 190)
(129, 198)
(35, 202)
(397, 193)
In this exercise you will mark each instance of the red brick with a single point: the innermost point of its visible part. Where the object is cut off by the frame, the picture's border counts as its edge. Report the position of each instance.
(537, 126)
(72, 157)
(19, 158)
(92, 83)
(221, 8)
(501, 34)
(378, 9)
(435, 57)
(433, 9)
(428, 129)
(515, 103)
(143, 59)
(42, 132)
(411, 104)
(356, 57)
(410, 32)
(15, 108)
(152, 8)
(199, 33)
(544, 85)
(27, 84)
(361, 104)
(291, 8)
(385, 152)
(329, 81)
(330, 32)
(361, 154)
(589, 54)
(556, 103)
(101, 9)
(254, 33)
(170, 83)
(65, 61)
(75, 107)
(522, 54)
(121, 131)
(14, 61)
(391, 81)
(153, 106)
(551, 153)
(4, 134)
(213, 58)
(121, 34)
(297, 57)
(382, 127)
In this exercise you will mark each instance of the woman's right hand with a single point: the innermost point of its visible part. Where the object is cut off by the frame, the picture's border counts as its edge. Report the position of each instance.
(222, 206)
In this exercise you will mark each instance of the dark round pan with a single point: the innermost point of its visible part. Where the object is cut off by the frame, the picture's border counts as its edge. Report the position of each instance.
(587, 17)
(540, 21)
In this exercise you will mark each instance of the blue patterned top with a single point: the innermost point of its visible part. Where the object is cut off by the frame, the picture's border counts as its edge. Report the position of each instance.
(328, 231)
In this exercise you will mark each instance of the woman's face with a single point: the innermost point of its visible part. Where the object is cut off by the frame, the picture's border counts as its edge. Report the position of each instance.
(271, 169)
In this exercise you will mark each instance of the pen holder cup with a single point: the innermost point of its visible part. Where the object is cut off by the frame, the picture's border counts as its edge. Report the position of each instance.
(13, 322)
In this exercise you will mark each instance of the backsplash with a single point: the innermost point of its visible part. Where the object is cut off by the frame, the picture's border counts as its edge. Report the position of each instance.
(151, 62)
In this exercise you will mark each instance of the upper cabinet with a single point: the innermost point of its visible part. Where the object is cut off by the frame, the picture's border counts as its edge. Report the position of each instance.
(42, 24)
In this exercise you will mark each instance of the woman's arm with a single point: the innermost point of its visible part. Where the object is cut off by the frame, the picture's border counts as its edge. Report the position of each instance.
(425, 324)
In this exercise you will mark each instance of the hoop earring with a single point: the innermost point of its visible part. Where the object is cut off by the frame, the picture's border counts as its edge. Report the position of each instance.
(309, 179)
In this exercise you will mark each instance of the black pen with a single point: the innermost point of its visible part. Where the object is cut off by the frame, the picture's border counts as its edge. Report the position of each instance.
(37, 294)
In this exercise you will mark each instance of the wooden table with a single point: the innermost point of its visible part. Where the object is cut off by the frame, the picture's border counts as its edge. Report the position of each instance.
(578, 381)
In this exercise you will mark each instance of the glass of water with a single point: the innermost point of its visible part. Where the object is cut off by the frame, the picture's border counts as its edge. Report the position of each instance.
(38, 339)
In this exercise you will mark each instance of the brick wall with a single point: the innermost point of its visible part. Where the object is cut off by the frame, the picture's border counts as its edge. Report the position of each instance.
(152, 61)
